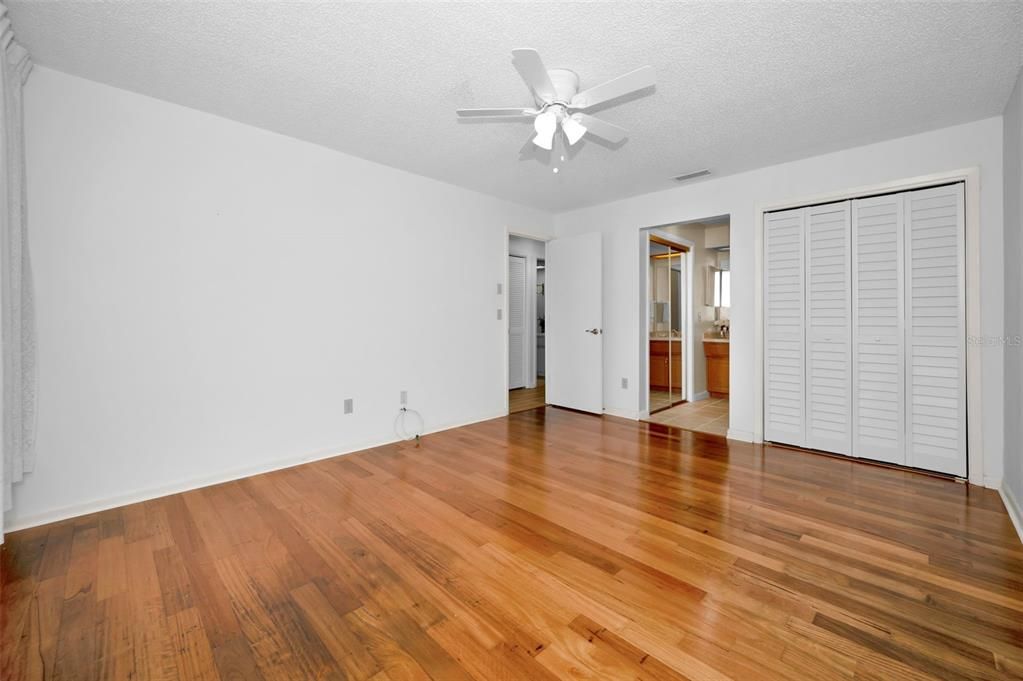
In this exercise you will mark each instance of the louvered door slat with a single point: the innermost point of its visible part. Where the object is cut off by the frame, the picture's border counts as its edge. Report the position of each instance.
(878, 378)
(784, 357)
(828, 321)
(935, 330)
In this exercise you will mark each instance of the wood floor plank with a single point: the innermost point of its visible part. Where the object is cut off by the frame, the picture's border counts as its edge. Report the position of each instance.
(544, 545)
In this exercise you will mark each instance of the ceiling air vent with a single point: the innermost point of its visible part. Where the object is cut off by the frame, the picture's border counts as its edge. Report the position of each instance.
(691, 176)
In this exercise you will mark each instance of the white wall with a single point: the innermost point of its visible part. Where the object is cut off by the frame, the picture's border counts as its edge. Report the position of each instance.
(209, 293)
(1013, 164)
(972, 144)
(532, 250)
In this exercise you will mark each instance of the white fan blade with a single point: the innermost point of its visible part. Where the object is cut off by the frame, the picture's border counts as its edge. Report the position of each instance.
(608, 131)
(529, 65)
(622, 85)
(520, 111)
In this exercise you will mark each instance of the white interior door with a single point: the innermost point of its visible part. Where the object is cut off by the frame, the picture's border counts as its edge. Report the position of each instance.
(574, 323)
(935, 331)
(517, 353)
(878, 385)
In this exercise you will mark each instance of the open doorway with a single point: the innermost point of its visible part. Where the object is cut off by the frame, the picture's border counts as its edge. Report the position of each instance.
(703, 329)
(526, 322)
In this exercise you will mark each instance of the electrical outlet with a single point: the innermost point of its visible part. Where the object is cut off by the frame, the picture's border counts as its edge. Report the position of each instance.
(499, 289)
(499, 315)
(625, 383)
(404, 397)
(349, 405)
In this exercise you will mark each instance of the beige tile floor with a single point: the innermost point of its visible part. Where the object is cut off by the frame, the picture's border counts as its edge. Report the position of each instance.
(705, 416)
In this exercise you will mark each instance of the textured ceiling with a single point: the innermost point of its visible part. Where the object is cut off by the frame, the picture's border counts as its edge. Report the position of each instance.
(740, 85)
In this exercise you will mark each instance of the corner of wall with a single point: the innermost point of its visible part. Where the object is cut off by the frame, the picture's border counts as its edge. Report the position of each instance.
(1012, 507)
(1012, 403)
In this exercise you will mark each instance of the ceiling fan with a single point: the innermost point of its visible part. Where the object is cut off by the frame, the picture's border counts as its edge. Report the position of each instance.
(559, 101)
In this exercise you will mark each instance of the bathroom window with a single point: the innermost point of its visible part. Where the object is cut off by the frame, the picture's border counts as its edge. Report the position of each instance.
(722, 288)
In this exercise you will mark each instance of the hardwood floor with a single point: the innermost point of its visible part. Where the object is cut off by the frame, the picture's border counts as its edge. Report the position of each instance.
(522, 399)
(544, 545)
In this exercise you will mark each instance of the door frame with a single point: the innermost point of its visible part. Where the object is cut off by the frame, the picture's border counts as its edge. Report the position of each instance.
(974, 393)
(502, 294)
(644, 321)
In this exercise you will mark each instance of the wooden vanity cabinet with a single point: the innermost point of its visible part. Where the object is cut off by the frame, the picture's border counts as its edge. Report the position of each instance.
(717, 368)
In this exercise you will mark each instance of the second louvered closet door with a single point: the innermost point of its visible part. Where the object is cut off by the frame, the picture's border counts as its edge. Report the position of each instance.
(828, 374)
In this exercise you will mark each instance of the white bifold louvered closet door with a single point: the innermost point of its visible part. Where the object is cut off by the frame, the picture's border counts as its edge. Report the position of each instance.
(878, 383)
(784, 309)
(828, 365)
(865, 328)
(936, 330)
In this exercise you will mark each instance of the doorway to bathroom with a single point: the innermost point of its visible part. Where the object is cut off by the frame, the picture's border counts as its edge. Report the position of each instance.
(687, 335)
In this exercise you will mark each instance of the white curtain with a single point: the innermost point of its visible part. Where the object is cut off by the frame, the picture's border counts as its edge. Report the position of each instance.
(16, 311)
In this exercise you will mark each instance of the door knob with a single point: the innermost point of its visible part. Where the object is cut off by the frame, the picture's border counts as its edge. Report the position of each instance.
(595, 332)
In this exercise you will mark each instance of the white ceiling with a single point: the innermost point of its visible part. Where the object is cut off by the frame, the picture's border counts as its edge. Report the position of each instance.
(740, 85)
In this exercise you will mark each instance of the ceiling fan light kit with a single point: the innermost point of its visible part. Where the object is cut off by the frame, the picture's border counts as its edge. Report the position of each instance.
(545, 124)
(573, 129)
(559, 103)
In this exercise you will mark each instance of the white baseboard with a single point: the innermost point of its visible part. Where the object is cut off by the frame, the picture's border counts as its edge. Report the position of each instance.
(990, 481)
(741, 435)
(75, 510)
(700, 396)
(1013, 508)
